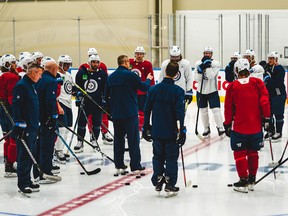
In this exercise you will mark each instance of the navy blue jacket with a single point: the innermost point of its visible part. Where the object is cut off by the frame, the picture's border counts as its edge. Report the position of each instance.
(46, 88)
(275, 85)
(121, 92)
(166, 102)
(96, 85)
(25, 105)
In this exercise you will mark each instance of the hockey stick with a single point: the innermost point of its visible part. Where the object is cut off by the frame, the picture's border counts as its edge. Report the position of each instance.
(82, 139)
(272, 170)
(197, 116)
(106, 128)
(280, 160)
(90, 98)
(41, 173)
(97, 170)
(7, 113)
(6, 135)
(271, 151)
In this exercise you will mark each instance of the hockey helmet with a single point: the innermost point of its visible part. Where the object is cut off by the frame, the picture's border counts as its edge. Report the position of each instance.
(92, 51)
(25, 61)
(140, 49)
(208, 49)
(241, 64)
(65, 59)
(249, 52)
(93, 58)
(175, 51)
(37, 55)
(8, 58)
(22, 54)
(45, 60)
(236, 55)
(273, 55)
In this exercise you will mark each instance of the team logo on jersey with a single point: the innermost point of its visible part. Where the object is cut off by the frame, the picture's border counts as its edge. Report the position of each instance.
(84, 77)
(178, 76)
(68, 87)
(92, 86)
(136, 71)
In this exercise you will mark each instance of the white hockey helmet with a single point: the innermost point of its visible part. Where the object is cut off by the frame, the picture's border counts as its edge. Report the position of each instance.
(92, 51)
(208, 49)
(175, 51)
(22, 54)
(37, 55)
(273, 55)
(249, 52)
(93, 58)
(8, 58)
(241, 64)
(45, 60)
(235, 55)
(139, 49)
(65, 59)
(25, 61)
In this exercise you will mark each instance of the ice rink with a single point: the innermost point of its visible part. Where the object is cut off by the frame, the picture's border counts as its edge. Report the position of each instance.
(209, 164)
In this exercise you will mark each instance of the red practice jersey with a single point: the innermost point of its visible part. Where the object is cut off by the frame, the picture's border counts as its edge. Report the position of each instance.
(145, 67)
(7, 82)
(246, 102)
(102, 66)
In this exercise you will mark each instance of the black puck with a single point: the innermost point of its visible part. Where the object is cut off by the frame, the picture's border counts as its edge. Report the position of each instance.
(138, 176)
(229, 185)
(195, 186)
(123, 173)
(82, 173)
(116, 174)
(142, 174)
(127, 183)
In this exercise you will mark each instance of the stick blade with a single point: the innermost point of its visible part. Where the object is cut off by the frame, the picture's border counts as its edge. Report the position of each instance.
(273, 164)
(93, 172)
(200, 137)
(52, 177)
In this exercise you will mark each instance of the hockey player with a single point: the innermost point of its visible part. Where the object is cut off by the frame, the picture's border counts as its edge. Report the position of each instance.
(274, 79)
(255, 69)
(205, 73)
(23, 64)
(47, 88)
(37, 56)
(246, 103)
(166, 102)
(93, 80)
(22, 55)
(25, 108)
(229, 70)
(8, 80)
(142, 68)
(184, 76)
(121, 97)
(65, 101)
(105, 135)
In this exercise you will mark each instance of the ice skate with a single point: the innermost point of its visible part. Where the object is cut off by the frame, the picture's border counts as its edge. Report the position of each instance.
(25, 192)
(221, 132)
(55, 169)
(169, 189)
(10, 171)
(206, 133)
(59, 157)
(121, 171)
(241, 185)
(107, 140)
(95, 145)
(159, 185)
(46, 181)
(251, 182)
(276, 137)
(67, 157)
(79, 147)
(138, 173)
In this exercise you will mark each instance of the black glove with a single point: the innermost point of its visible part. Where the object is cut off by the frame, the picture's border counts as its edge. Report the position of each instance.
(189, 96)
(268, 68)
(266, 77)
(59, 80)
(146, 133)
(267, 124)
(19, 129)
(227, 128)
(231, 64)
(52, 121)
(182, 137)
(74, 91)
(79, 98)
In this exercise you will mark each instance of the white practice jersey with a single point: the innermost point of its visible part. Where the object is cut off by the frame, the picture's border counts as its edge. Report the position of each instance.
(257, 71)
(184, 76)
(65, 96)
(210, 77)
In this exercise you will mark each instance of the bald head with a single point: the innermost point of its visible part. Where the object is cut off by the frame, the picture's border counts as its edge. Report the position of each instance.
(52, 67)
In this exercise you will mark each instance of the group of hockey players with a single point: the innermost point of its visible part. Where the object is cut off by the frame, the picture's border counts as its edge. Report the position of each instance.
(36, 94)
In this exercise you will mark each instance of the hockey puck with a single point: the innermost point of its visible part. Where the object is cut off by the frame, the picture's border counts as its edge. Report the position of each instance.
(138, 176)
(123, 173)
(116, 174)
(127, 183)
(229, 185)
(82, 173)
(195, 186)
(142, 174)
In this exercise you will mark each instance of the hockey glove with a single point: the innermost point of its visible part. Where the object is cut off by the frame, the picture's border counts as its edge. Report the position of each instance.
(146, 133)
(268, 68)
(59, 81)
(189, 96)
(267, 124)
(231, 65)
(51, 122)
(19, 129)
(227, 128)
(182, 137)
(266, 77)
